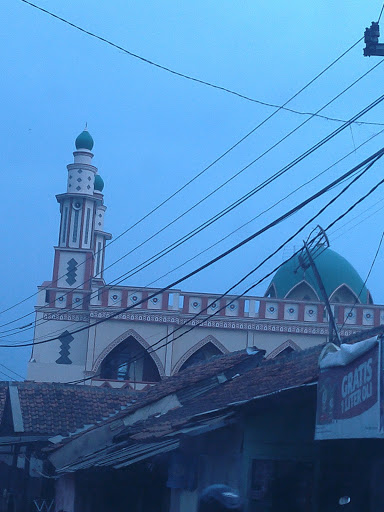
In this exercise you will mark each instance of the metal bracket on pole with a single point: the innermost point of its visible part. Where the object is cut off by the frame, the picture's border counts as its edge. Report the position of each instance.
(334, 335)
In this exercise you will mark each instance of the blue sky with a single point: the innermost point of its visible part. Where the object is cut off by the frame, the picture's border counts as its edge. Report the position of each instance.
(154, 131)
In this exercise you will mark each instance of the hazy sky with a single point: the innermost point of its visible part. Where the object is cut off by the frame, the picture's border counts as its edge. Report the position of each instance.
(154, 131)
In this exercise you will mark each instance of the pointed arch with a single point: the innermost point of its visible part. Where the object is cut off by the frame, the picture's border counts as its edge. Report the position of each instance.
(289, 346)
(344, 294)
(205, 341)
(271, 292)
(302, 291)
(129, 333)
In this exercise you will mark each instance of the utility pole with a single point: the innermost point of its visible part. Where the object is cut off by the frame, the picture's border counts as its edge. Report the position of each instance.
(371, 39)
(334, 335)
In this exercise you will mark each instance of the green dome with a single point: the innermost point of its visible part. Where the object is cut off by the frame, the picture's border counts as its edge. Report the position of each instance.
(84, 141)
(335, 272)
(99, 183)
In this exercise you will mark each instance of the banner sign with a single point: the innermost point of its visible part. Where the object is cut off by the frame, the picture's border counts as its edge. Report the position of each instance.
(348, 402)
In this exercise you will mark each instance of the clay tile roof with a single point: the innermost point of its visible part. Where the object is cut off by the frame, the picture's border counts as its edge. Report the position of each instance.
(269, 377)
(189, 377)
(53, 408)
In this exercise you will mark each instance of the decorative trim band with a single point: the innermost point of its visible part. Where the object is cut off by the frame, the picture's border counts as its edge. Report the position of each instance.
(241, 325)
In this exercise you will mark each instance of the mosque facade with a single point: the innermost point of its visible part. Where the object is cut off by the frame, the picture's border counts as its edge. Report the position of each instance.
(87, 331)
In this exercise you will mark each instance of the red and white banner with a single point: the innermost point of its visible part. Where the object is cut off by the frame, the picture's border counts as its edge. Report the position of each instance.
(348, 393)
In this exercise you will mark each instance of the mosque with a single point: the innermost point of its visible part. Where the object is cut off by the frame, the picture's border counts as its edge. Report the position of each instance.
(107, 335)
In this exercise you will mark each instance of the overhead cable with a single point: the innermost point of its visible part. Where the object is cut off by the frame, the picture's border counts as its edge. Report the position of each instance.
(233, 299)
(259, 125)
(218, 216)
(194, 79)
(232, 249)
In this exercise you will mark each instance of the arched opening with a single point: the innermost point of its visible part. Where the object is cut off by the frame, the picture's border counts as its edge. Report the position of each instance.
(271, 292)
(302, 291)
(129, 361)
(284, 349)
(203, 354)
(344, 295)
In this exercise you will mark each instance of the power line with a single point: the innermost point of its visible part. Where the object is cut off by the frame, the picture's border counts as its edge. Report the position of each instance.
(206, 249)
(268, 209)
(381, 12)
(206, 319)
(12, 371)
(371, 160)
(194, 79)
(306, 224)
(6, 375)
(212, 164)
(358, 216)
(227, 210)
(358, 223)
(244, 197)
(365, 282)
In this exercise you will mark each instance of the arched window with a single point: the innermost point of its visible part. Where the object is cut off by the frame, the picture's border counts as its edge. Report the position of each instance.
(344, 295)
(129, 361)
(302, 291)
(203, 354)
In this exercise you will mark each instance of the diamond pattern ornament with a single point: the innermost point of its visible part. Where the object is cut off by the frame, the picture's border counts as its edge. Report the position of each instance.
(71, 271)
(271, 310)
(350, 315)
(368, 317)
(310, 313)
(290, 312)
(65, 339)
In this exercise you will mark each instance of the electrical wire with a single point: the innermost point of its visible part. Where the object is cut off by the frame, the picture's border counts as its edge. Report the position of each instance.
(368, 162)
(365, 282)
(381, 12)
(194, 79)
(150, 260)
(358, 224)
(7, 375)
(212, 164)
(12, 371)
(228, 209)
(306, 224)
(266, 210)
(238, 202)
(78, 307)
(358, 216)
(217, 299)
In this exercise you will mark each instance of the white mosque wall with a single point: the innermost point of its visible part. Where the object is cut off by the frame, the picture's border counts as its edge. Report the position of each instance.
(62, 358)
(297, 326)
(42, 372)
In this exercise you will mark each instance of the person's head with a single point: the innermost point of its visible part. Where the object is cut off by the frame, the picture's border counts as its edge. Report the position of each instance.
(220, 498)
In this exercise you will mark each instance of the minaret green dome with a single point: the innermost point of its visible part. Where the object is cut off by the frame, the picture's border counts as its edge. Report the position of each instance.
(99, 183)
(84, 140)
